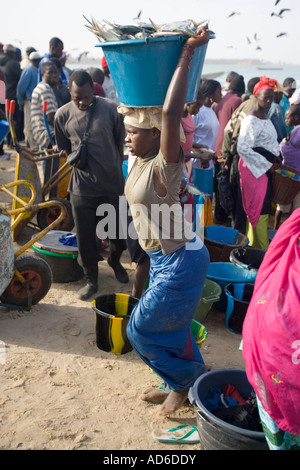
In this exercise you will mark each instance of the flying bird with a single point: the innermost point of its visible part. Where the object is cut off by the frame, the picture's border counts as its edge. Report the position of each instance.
(276, 3)
(233, 13)
(138, 16)
(255, 39)
(281, 34)
(279, 15)
(83, 54)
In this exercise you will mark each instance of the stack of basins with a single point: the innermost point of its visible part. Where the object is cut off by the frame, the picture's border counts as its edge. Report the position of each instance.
(233, 268)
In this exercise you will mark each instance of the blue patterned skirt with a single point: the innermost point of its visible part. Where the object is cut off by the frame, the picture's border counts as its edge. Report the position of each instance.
(160, 327)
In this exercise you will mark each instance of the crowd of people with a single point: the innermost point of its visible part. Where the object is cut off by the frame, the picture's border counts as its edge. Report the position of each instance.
(40, 86)
(240, 131)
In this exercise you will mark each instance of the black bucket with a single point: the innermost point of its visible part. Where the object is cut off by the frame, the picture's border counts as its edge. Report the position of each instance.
(247, 257)
(112, 314)
(220, 241)
(214, 433)
(238, 299)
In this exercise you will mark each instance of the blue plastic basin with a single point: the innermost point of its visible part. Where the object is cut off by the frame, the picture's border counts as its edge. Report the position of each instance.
(220, 241)
(225, 273)
(222, 234)
(142, 68)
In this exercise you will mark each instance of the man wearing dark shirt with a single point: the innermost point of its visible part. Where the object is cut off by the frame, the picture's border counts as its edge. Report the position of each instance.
(12, 71)
(101, 181)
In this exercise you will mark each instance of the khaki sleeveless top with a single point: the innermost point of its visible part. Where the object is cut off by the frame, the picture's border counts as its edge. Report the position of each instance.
(158, 221)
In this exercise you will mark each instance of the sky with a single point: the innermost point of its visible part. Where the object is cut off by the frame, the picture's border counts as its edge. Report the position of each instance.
(32, 23)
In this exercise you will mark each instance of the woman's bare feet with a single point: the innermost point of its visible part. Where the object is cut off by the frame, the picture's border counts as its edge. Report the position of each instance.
(154, 395)
(173, 402)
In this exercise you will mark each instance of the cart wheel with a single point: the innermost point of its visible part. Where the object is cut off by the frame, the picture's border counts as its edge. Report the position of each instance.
(46, 216)
(38, 275)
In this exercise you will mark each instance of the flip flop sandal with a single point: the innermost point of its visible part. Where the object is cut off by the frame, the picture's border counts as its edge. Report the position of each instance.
(184, 434)
(162, 386)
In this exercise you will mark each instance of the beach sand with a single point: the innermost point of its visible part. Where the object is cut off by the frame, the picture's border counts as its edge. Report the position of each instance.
(60, 392)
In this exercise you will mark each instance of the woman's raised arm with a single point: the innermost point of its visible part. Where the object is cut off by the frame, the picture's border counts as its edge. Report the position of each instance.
(175, 98)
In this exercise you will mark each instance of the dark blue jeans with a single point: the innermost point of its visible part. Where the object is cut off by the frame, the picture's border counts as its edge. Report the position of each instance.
(84, 213)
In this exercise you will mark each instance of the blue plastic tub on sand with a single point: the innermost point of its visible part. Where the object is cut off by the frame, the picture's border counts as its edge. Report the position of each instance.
(225, 273)
(143, 68)
(220, 241)
(4, 130)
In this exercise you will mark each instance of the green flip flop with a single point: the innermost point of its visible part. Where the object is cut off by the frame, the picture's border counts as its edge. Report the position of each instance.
(184, 434)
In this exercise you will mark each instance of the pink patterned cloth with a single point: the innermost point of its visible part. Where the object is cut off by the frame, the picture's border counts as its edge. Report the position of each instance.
(271, 330)
(253, 192)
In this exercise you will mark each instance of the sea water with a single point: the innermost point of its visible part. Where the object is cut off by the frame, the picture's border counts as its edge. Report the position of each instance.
(278, 72)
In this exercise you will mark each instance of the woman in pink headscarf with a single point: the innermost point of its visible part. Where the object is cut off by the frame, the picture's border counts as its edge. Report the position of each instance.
(271, 338)
(259, 150)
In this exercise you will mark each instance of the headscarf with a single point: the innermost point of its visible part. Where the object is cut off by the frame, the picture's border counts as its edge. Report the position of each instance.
(145, 118)
(103, 62)
(265, 83)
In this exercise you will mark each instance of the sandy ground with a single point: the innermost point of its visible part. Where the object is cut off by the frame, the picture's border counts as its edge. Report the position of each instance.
(60, 392)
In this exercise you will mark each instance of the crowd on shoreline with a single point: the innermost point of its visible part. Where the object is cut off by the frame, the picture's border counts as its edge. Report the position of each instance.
(234, 191)
(20, 76)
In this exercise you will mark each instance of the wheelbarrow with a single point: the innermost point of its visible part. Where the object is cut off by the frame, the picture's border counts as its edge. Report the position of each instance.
(55, 187)
(24, 279)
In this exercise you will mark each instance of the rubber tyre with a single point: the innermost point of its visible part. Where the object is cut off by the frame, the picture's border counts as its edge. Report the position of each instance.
(38, 272)
(47, 215)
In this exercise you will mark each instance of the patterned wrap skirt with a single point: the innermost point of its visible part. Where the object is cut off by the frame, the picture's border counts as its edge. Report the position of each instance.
(160, 326)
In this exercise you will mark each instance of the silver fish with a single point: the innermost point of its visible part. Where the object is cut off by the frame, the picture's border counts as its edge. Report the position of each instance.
(115, 32)
(190, 188)
(101, 32)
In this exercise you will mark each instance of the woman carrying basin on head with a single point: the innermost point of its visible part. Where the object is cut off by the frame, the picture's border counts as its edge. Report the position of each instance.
(160, 326)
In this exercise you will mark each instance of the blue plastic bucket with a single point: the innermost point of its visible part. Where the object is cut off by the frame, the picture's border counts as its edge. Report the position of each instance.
(220, 241)
(4, 130)
(225, 273)
(142, 68)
